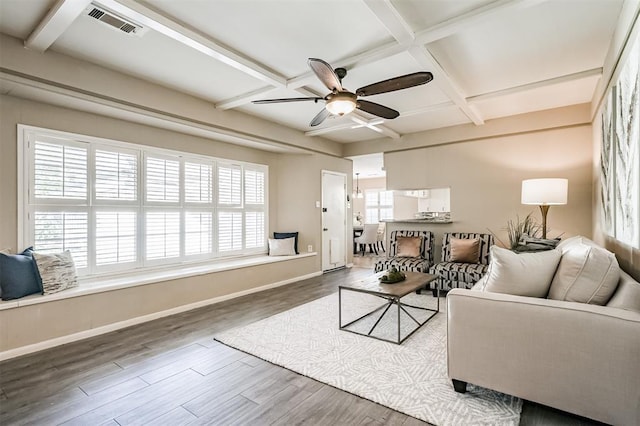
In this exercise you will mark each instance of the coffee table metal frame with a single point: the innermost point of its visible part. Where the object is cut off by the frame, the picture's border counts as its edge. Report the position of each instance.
(391, 300)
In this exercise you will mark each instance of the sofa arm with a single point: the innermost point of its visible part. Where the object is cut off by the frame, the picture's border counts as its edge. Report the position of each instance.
(579, 358)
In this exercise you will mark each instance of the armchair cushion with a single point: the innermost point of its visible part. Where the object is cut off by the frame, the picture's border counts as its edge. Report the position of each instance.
(409, 246)
(465, 250)
(459, 272)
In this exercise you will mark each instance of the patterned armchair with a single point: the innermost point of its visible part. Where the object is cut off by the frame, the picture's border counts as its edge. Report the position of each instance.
(461, 275)
(415, 264)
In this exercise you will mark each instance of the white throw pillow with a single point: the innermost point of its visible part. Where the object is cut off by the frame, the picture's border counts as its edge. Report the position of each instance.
(56, 270)
(525, 274)
(586, 274)
(282, 247)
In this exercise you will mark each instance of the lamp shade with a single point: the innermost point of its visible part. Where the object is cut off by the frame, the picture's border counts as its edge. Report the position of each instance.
(545, 192)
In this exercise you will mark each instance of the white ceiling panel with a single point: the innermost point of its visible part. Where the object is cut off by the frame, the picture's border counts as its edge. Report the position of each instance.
(153, 57)
(18, 18)
(444, 117)
(552, 39)
(282, 34)
(420, 17)
(353, 135)
(547, 97)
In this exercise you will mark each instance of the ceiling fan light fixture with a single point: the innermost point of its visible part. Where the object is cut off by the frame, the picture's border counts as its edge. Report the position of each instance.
(341, 103)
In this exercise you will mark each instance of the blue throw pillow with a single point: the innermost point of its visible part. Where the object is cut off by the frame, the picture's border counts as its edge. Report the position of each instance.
(18, 276)
(282, 235)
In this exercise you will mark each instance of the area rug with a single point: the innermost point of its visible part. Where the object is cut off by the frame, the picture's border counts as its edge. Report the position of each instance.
(410, 378)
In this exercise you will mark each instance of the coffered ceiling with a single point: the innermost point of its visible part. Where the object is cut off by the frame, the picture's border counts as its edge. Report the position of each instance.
(489, 59)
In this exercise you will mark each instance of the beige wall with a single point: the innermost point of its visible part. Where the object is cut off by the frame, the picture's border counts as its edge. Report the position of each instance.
(299, 187)
(485, 178)
(294, 186)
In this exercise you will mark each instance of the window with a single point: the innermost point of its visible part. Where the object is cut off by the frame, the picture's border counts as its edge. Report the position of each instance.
(124, 207)
(378, 205)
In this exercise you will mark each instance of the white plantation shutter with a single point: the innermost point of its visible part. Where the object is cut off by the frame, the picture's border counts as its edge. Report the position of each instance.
(162, 179)
(229, 184)
(116, 175)
(253, 186)
(163, 235)
(60, 171)
(121, 207)
(115, 237)
(56, 231)
(229, 231)
(198, 183)
(198, 233)
(254, 229)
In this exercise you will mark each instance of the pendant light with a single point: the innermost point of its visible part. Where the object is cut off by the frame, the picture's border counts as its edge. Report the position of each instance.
(358, 193)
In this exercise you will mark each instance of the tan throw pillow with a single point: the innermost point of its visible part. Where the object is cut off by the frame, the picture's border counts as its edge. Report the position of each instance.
(524, 274)
(464, 250)
(586, 274)
(408, 246)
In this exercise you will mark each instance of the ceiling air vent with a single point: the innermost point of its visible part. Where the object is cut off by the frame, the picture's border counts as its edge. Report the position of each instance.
(114, 20)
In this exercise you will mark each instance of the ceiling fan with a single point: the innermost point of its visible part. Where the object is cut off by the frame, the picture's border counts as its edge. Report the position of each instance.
(341, 101)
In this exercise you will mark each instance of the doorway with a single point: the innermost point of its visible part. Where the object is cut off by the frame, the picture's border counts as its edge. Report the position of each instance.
(334, 220)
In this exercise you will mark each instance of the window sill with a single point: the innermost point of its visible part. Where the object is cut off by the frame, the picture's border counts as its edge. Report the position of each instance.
(91, 286)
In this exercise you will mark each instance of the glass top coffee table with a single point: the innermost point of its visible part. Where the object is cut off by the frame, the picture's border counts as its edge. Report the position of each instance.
(392, 294)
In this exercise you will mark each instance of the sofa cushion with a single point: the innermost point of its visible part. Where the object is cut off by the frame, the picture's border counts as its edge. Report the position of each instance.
(524, 274)
(627, 295)
(409, 246)
(586, 274)
(56, 271)
(465, 250)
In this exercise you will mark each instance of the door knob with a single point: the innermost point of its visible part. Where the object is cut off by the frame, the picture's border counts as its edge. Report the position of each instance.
(325, 229)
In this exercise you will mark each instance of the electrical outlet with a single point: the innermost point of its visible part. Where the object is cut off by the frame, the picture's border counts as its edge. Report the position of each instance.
(309, 248)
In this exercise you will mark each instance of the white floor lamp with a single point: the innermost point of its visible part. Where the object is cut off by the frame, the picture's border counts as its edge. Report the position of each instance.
(545, 193)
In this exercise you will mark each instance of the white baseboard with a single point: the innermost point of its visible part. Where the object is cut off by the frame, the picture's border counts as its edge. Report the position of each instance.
(35, 347)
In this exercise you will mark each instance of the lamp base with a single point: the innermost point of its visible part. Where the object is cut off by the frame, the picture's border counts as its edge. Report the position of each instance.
(544, 210)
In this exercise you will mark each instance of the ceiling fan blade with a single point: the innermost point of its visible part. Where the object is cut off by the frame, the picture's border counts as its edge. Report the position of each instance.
(325, 73)
(377, 109)
(397, 83)
(320, 117)
(275, 101)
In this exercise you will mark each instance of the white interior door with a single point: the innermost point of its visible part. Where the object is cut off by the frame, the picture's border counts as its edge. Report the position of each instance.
(334, 220)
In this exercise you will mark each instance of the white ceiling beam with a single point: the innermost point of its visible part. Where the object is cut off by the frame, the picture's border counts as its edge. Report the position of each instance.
(329, 129)
(56, 22)
(471, 18)
(536, 85)
(401, 31)
(193, 39)
(245, 98)
(445, 83)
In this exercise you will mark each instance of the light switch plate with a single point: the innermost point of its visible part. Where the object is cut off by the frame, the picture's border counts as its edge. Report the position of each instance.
(318, 204)
(309, 248)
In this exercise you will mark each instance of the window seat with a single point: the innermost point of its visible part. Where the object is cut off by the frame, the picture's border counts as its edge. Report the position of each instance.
(99, 285)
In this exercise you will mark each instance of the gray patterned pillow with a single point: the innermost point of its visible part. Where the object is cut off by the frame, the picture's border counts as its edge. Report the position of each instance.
(56, 271)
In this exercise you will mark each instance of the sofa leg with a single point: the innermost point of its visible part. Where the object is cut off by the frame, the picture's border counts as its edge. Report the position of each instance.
(459, 386)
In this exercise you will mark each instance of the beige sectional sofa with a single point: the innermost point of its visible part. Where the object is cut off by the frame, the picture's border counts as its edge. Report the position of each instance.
(578, 357)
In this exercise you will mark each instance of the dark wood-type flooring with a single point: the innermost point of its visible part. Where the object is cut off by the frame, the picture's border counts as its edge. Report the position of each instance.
(170, 371)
